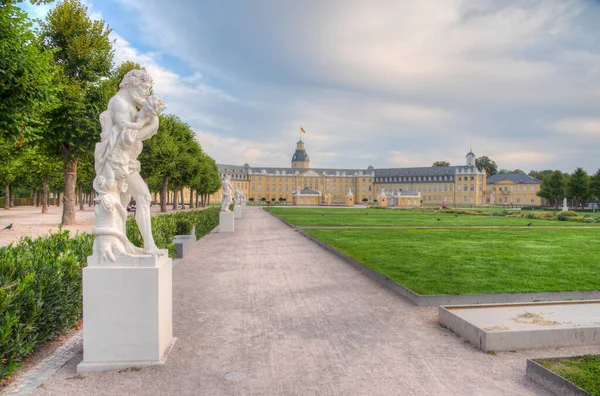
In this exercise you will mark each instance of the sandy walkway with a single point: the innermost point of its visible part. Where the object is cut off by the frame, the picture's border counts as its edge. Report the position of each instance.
(28, 220)
(265, 311)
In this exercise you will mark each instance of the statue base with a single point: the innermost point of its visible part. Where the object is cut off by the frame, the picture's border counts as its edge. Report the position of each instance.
(226, 222)
(127, 312)
(238, 212)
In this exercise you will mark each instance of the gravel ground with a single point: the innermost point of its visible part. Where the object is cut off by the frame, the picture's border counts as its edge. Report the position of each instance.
(265, 311)
(29, 221)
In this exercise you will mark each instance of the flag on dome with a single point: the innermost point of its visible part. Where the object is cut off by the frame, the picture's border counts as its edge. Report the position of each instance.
(302, 129)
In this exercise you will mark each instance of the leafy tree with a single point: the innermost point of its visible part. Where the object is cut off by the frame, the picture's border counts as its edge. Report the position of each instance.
(484, 163)
(438, 164)
(42, 167)
(539, 174)
(578, 187)
(553, 187)
(27, 88)
(517, 171)
(504, 172)
(207, 181)
(82, 48)
(595, 185)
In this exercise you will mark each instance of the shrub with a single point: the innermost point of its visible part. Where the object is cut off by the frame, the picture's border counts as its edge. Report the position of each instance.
(40, 292)
(568, 213)
(165, 227)
(562, 217)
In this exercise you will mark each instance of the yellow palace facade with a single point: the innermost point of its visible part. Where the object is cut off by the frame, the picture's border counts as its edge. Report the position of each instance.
(300, 184)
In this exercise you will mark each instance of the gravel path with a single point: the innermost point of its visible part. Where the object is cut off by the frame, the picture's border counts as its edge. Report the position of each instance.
(265, 311)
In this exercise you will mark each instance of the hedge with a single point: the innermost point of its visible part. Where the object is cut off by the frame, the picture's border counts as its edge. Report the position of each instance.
(40, 281)
(40, 292)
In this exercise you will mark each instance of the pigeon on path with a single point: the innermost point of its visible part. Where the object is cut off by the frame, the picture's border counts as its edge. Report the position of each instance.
(8, 227)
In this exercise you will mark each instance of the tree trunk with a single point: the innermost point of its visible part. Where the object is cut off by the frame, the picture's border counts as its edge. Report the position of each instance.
(196, 198)
(58, 199)
(45, 194)
(207, 200)
(68, 216)
(6, 196)
(182, 200)
(163, 194)
(35, 196)
(81, 203)
(175, 190)
(91, 201)
(12, 197)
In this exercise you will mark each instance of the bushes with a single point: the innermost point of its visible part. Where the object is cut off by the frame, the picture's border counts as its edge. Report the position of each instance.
(40, 292)
(40, 281)
(165, 227)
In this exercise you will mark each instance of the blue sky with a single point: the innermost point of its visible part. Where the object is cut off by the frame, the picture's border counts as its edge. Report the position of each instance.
(387, 83)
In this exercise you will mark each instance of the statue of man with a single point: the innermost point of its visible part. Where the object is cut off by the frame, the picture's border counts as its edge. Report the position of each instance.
(237, 197)
(117, 168)
(226, 200)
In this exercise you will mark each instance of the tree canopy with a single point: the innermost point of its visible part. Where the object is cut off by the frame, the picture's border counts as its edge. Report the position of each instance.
(484, 163)
(438, 164)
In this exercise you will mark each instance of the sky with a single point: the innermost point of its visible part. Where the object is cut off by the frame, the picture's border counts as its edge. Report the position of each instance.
(388, 83)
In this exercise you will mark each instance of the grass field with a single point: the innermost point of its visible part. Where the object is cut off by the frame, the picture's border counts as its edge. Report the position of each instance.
(583, 371)
(471, 261)
(374, 217)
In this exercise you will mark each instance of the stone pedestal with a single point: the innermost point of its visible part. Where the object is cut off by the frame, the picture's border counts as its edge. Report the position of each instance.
(183, 244)
(226, 220)
(127, 312)
(382, 202)
(238, 212)
(349, 201)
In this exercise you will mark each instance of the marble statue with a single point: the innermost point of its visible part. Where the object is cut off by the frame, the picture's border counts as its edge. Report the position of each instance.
(237, 197)
(124, 128)
(382, 195)
(350, 192)
(565, 208)
(227, 189)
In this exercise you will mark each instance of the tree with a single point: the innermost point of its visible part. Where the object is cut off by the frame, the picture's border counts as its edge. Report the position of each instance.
(595, 185)
(553, 187)
(483, 163)
(578, 187)
(517, 171)
(27, 88)
(438, 164)
(82, 49)
(539, 174)
(42, 167)
(504, 172)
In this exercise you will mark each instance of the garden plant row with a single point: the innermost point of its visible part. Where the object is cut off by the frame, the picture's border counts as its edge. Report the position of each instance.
(40, 281)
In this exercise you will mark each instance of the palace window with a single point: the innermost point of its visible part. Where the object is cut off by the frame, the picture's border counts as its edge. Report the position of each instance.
(459, 188)
(472, 187)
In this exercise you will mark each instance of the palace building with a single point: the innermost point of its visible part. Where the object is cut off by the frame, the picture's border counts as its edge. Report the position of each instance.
(407, 187)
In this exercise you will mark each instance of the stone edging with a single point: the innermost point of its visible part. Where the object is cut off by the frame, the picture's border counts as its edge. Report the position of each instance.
(548, 379)
(26, 383)
(447, 299)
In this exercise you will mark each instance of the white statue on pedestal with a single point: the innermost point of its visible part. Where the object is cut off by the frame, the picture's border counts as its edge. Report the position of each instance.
(118, 171)
(565, 208)
(226, 200)
(350, 192)
(382, 195)
(237, 197)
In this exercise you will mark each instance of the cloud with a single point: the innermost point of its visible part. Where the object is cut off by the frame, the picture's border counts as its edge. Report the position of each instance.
(589, 127)
(390, 83)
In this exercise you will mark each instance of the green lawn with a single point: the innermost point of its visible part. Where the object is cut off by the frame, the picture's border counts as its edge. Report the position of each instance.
(388, 217)
(470, 261)
(583, 371)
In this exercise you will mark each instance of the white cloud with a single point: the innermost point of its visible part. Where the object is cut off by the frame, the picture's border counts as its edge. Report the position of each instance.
(579, 126)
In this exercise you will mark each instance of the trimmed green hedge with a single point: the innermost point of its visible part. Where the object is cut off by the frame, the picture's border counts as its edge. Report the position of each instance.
(40, 281)
(165, 227)
(40, 292)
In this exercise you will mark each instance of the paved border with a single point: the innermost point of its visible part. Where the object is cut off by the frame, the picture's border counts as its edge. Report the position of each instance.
(448, 299)
(550, 380)
(36, 376)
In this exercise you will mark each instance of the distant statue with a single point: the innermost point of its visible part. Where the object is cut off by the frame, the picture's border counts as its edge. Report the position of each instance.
(237, 197)
(118, 170)
(226, 200)
(382, 195)
(565, 208)
(350, 192)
